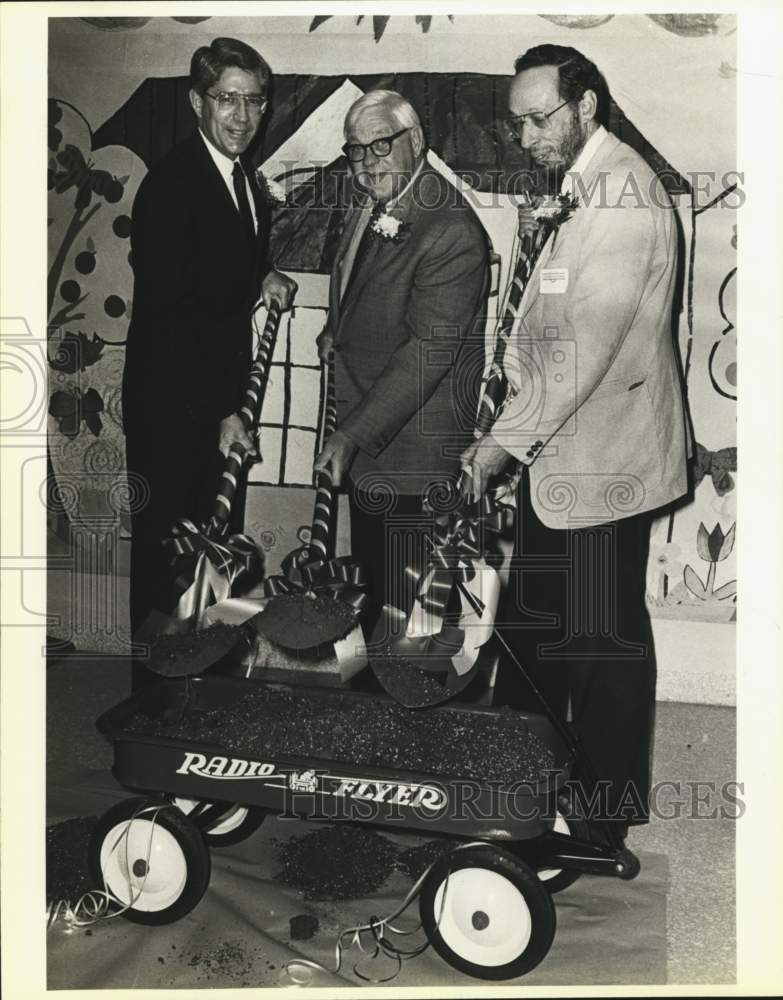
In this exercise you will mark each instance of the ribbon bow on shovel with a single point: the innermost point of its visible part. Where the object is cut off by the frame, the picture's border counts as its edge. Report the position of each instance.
(314, 603)
(208, 561)
(220, 561)
(428, 657)
(319, 597)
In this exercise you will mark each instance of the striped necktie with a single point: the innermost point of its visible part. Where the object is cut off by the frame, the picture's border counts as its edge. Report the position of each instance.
(497, 388)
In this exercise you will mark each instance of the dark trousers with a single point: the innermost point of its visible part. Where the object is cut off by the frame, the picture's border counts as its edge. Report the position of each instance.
(179, 481)
(576, 618)
(388, 533)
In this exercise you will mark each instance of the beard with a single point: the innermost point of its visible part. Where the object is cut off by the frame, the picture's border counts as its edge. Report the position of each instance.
(568, 149)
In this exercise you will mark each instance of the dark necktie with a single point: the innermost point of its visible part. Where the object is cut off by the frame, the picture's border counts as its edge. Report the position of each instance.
(240, 189)
(365, 243)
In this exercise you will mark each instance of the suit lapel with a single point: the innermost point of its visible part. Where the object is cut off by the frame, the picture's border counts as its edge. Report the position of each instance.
(335, 284)
(404, 210)
(554, 247)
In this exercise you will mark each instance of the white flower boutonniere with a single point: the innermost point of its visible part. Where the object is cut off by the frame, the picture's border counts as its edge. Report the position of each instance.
(552, 211)
(274, 191)
(386, 227)
(544, 216)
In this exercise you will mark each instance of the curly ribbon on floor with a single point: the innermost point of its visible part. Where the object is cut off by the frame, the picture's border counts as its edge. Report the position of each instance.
(221, 559)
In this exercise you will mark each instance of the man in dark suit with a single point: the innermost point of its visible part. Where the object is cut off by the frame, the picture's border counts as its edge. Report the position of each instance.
(598, 424)
(409, 279)
(199, 256)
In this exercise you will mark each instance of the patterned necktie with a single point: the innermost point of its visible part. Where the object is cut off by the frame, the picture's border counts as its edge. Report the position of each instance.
(240, 189)
(497, 388)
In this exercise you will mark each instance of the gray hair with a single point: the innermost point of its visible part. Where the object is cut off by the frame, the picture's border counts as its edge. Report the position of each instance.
(397, 107)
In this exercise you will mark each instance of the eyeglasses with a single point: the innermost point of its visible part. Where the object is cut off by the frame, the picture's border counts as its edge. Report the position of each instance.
(538, 119)
(356, 151)
(230, 101)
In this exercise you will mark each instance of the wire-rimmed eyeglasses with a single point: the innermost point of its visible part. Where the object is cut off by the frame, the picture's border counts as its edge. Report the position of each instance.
(230, 100)
(538, 119)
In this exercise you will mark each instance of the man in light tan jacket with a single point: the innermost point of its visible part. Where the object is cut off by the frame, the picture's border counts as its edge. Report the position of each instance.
(598, 423)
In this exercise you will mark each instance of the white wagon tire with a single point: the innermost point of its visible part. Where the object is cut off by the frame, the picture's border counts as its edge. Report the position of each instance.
(486, 913)
(151, 858)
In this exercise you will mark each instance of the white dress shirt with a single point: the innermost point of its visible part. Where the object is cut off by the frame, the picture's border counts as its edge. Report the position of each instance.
(579, 165)
(226, 167)
(345, 264)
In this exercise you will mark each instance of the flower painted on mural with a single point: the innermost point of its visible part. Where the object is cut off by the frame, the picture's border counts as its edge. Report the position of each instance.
(713, 547)
(74, 352)
(665, 567)
(718, 465)
(665, 557)
(70, 407)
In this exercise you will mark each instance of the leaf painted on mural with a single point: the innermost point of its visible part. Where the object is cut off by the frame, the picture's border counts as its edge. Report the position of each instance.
(379, 26)
(90, 244)
(726, 591)
(425, 20)
(694, 584)
(317, 21)
(123, 180)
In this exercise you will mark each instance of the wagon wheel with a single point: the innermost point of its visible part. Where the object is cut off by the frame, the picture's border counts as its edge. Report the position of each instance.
(151, 858)
(557, 879)
(486, 913)
(236, 824)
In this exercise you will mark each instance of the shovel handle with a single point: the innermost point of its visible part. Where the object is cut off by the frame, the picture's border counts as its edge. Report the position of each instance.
(320, 544)
(250, 413)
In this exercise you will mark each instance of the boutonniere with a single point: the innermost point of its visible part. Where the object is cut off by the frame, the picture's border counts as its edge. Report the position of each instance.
(543, 216)
(386, 227)
(275, 192)
(551, 211)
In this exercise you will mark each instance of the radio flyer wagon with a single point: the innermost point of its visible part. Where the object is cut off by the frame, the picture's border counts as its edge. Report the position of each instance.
(486, 907)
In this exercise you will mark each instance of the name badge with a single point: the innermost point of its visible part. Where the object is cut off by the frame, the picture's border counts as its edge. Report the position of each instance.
(553, 280)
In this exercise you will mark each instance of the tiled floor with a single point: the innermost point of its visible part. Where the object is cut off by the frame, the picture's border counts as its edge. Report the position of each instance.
(695, 750)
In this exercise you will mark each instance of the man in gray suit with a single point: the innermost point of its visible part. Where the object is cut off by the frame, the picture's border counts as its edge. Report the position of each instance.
(409, 279)
(597, 423)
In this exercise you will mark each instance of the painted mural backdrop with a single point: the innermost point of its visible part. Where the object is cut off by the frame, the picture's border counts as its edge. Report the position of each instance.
(99, 151)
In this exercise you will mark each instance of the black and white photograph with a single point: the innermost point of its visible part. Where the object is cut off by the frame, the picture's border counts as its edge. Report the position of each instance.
(389, 606)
